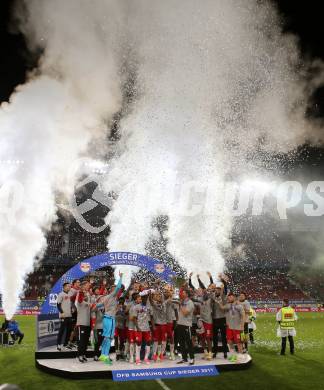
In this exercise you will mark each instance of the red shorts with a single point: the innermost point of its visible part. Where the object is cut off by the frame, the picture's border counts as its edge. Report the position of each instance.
(169, 330)
(159, 332)
(233, 335)
(208, 330)
(131, 334)
(143, 336)
(121, 333)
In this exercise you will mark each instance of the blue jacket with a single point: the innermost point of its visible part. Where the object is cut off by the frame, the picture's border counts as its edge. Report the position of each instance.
(13, 326)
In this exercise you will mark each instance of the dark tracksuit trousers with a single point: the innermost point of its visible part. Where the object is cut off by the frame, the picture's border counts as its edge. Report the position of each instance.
(251, 335)
(284, 342)
(246, 335)
(184, 338)
(99, 338)
(64, 331)
(18, 335)
(176, 338)
(219, 325)
(83, 339)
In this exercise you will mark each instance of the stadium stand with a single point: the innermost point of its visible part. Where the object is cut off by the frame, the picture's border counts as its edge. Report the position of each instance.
(266, 284)
(69, 243)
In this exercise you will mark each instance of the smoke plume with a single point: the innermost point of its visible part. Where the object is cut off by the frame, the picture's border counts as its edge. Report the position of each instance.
(51, 120)
(220, 89)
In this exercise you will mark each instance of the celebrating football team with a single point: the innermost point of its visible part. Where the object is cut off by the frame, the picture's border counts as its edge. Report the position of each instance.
(150, 323)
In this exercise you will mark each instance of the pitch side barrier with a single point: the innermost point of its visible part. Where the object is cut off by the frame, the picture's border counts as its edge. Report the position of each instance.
(278, 303)
(27, 307)
(297, 309)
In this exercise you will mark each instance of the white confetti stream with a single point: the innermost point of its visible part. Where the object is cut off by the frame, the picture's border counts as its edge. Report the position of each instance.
(51, 120)
(216, 83)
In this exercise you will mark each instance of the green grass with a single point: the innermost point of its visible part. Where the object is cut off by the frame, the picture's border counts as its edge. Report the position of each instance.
(269, 371)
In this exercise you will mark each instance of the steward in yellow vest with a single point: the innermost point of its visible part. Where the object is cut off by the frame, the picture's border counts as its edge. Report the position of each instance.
(286, 318)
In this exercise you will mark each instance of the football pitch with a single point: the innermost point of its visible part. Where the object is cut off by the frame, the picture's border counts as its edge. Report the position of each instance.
(268, 371)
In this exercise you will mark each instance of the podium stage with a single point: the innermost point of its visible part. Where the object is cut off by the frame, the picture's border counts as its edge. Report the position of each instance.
(65, 364)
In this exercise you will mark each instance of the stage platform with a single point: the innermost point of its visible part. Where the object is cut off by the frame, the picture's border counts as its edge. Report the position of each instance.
(65, 364)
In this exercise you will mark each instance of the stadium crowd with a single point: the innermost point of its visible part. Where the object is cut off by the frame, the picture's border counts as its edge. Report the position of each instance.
(263, 285)
(152, 322)
(266, 284)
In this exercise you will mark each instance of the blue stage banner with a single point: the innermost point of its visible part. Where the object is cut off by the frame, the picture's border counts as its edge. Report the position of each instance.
(163, 373)
(87, 266)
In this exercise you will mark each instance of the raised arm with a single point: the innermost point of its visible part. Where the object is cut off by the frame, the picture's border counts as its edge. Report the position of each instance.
(118, 286)
(190, 282)
(201, 284)
(224, 279)
(126, 292)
